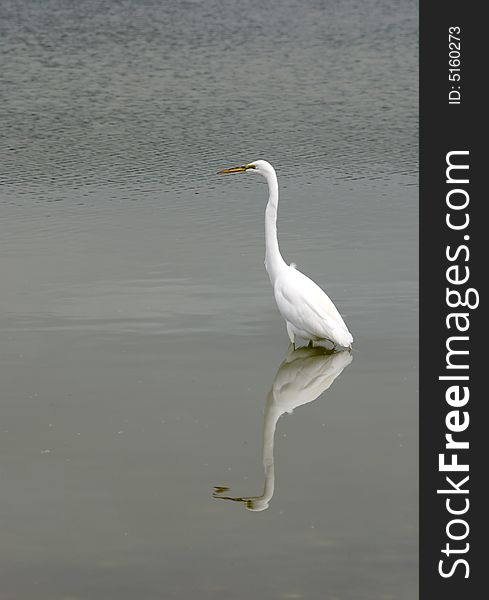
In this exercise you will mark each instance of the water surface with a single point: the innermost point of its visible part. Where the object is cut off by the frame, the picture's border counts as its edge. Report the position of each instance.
(139, 341)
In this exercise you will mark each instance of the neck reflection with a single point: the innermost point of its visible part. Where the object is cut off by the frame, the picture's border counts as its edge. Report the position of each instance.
(301, 378)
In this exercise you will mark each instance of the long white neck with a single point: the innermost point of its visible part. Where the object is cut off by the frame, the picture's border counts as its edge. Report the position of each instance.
(274, 262)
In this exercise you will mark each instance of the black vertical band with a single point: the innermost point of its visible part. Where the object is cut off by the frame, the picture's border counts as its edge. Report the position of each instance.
(453, 266)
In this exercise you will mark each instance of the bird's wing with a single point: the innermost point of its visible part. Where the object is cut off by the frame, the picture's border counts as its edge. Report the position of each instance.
(303, 303)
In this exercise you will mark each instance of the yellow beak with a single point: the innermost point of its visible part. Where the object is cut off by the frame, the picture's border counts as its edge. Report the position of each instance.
(233, 170)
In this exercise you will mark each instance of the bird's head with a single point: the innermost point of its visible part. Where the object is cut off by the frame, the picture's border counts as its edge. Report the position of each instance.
(260, 167)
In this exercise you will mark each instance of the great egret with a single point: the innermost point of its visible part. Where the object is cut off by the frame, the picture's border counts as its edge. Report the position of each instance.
(308, 311)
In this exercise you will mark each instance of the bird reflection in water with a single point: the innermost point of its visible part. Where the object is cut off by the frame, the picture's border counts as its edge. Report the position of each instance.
(301, 378)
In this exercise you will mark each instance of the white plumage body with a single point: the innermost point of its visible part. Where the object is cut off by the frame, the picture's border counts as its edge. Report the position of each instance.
(307, 310)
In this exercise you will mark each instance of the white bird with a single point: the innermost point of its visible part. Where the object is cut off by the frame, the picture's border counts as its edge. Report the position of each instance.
(308, 311)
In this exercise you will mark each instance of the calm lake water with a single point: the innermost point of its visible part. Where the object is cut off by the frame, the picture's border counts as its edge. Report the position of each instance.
(145, 369)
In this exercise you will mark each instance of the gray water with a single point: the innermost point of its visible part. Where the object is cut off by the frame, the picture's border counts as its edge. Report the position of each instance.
(142, 356)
